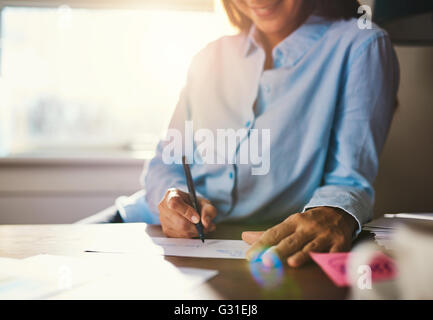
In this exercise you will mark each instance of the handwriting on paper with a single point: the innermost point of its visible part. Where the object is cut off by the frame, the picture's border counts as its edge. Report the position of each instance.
(211, 248)
(335, 266)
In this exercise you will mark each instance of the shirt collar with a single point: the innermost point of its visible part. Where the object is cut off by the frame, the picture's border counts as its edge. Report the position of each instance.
(252, 41)
(289, 51)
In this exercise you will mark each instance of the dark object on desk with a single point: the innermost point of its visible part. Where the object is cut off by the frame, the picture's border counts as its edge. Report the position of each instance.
(193, 197)
(408, 22)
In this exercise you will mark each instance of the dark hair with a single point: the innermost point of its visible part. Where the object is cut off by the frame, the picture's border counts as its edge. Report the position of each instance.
(330, 9)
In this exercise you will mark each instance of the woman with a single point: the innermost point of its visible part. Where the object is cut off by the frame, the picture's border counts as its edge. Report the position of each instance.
(326, 91)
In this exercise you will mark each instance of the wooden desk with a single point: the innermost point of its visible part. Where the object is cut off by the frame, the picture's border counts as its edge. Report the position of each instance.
(234, 280)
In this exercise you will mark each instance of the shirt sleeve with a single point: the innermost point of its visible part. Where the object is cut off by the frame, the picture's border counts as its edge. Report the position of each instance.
(361, 124)
(159, 175)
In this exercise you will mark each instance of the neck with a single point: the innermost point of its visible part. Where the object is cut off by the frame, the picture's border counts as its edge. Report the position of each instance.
(272, 39)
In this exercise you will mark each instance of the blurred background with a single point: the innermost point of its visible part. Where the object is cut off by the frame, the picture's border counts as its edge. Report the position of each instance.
(87, 88)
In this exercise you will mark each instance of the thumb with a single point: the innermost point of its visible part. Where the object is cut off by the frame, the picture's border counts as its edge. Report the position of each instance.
(251, 236)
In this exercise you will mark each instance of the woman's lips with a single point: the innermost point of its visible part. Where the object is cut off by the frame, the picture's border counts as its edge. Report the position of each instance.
(267, 10)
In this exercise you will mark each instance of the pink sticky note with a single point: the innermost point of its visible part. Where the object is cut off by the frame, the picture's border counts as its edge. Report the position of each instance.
(335, 266)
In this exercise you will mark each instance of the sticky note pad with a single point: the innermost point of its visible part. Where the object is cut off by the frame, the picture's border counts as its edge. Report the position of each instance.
(335, 266)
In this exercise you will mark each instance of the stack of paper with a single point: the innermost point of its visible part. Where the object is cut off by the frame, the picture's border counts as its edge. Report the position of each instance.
(383, 230)
(385, 227)
(416, 216)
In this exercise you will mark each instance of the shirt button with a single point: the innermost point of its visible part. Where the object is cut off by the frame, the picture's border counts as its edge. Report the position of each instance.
(267, 88)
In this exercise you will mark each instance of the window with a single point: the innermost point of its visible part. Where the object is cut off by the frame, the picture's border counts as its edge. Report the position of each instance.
(96, 77)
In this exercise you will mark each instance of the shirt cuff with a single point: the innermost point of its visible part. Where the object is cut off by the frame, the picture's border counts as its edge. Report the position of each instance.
(135, 209)
(354, 201)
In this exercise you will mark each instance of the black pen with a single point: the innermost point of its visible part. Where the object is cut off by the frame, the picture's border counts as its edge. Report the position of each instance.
(193, 197)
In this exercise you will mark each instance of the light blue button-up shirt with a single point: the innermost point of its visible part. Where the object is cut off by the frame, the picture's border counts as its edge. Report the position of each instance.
(328, 102)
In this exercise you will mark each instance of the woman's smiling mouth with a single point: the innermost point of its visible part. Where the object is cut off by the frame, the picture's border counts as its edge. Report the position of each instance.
(266, 11)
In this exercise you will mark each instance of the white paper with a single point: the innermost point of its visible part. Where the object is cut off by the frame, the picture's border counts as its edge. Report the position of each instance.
(197, 275)
(139, 277)
(416, 216)
(42, 276)
(97, 276)
(211, 248)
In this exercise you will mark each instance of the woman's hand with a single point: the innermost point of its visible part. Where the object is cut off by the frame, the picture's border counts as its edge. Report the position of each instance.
(178, 217)
(321, 229)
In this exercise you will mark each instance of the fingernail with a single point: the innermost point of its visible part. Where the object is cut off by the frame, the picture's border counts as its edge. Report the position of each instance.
(291, 262)
(195, 219)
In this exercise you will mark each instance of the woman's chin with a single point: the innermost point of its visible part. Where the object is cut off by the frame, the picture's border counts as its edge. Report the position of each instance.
(270, 27)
